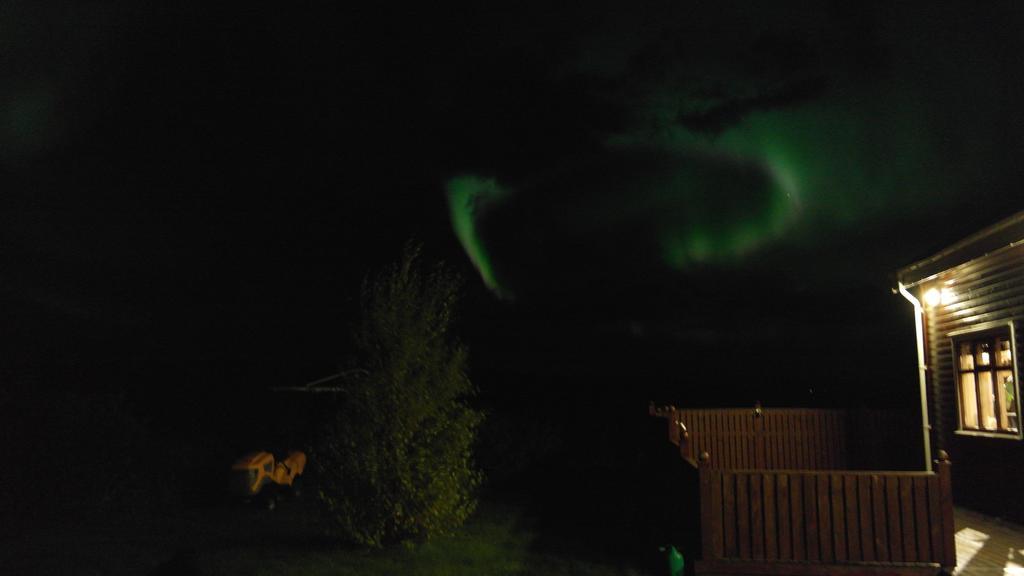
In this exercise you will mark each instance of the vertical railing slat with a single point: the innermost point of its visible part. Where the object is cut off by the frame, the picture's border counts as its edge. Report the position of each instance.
(838, 518)
(759, 441)
(823, 430)
(909, 533)
(711, 440)
(748, 440)
(770, 523)
(839, 420)
(695, 425)
(797, 518)
(829, 436)
(892, 506)
(935, 519)
(800, 444)
(881, 527)
(817, 446)
(867, 534)
(808, 452)
(824, 519)
(839, 451)
(717, 546)
(852, 518)
(777, 445)
(702, 439)
(748, 437)
(756, 517)
(707, 512)
(811, 518)
(792, 442)
(729, 514)
(743, 515)
(726, 449)
(735, 447)
(785, 531)
(921, 520)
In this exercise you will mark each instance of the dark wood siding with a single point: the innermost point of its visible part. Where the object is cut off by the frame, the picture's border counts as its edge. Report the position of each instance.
(988, 290)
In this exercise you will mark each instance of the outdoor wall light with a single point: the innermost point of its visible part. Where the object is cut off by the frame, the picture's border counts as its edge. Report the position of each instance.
(947, 296)
(934, 296)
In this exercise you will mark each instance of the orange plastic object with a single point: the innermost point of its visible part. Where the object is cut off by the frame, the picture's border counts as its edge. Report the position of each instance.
(257, 469)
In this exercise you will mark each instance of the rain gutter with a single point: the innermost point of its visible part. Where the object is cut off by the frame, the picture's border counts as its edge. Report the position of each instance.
(922, 373)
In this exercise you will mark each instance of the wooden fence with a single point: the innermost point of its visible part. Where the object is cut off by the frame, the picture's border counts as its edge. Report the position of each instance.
(775, 499)
(766, 439)
(902, 520)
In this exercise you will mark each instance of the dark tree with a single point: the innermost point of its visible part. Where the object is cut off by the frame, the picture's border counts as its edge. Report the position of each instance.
(396, 460)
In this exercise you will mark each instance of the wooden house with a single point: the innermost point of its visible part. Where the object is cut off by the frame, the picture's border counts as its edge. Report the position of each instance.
(968, 301)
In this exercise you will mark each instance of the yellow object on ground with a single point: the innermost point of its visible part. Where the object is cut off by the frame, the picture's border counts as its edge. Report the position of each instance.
(257, 469)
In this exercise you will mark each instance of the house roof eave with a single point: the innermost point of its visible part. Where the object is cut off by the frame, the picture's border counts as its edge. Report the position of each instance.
(1006, 232)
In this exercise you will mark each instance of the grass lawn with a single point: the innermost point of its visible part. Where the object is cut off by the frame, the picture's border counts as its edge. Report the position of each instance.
(246, 541)
(495, 542)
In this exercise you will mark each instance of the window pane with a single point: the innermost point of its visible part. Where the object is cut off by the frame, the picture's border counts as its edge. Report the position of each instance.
(984, 353)
(1000, 385)
(986, 394)
(966, 357)
(1008, 388)
(968, 401)
(1003, 357)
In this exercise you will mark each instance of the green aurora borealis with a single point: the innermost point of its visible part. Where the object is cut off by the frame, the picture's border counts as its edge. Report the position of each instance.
(843, 123)
(694, 205)
(783, 135)
(467, 195)
(829, 165)
(776, 176)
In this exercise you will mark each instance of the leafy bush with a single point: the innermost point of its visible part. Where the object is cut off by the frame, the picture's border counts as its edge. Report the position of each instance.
(395, 461)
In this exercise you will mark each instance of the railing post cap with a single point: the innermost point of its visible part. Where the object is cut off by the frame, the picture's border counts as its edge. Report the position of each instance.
(705, 457)
(943, 456)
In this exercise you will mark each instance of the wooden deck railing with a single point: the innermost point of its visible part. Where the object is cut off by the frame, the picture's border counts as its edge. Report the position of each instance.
(766, 439)
(751, 519)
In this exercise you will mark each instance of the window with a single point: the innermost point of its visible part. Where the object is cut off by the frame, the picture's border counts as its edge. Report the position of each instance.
(986, 385)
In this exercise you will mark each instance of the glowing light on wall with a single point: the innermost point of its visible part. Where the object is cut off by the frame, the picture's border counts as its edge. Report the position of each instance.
(935, 296)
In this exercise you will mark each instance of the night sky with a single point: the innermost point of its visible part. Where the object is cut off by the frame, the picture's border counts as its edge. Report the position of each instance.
(660, 194)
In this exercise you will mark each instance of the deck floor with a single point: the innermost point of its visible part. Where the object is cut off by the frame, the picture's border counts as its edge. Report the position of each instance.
(986, 546)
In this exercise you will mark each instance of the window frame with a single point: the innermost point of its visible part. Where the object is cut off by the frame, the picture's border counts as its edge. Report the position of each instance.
(974, 333)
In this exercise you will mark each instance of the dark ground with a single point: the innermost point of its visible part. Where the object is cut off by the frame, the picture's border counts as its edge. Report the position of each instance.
(157, 507)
